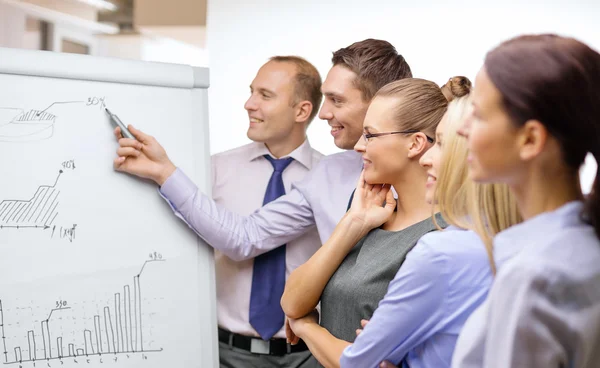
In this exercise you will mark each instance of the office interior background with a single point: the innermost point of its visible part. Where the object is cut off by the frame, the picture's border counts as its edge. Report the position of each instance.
(234, 38)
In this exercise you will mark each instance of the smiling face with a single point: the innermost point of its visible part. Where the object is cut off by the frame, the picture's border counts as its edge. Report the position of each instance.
(270, 105)
(432, 160)
(343, 107)
(384, 157)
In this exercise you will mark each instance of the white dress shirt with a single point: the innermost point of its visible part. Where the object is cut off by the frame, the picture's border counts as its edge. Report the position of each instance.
(239, 180)
(544, 307)
(320, 199)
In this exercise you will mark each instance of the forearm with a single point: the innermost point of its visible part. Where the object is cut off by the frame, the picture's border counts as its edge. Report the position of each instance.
(326, 348)
(238, 237)
(305, 284)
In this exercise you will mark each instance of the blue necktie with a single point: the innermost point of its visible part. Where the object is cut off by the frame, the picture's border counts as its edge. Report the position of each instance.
(268, 277)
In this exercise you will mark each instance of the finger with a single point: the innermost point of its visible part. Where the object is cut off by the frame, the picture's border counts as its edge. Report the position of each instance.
(128, 152)
(376, 189)
(288, 331)
(139, 135)
(358, 331)
(117, 133)
(118, 163)
(128, 142)
(386, 364)
(385, 188)
(390, 201)
(364, 322)
(361, 180)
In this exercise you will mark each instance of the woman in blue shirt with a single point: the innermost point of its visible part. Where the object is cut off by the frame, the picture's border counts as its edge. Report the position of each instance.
(445, 276)
(536, 116)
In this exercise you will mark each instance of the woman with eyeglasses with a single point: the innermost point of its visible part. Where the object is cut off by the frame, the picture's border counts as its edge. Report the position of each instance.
(536, 116)
(445, 276)
(350, 273)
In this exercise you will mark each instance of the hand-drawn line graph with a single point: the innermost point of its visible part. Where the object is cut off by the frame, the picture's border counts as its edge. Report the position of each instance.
(122, 332)
(38, 212)
(18, 125)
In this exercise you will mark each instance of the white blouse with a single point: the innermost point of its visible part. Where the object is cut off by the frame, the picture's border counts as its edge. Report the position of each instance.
(544, 307)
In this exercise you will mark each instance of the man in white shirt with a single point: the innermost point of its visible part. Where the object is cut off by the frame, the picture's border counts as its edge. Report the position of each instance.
(284, 98)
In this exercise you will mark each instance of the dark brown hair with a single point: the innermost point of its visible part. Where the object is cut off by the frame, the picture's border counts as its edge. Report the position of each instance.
(421, 104)
(308, 82)
(375, 63)
(556, 81)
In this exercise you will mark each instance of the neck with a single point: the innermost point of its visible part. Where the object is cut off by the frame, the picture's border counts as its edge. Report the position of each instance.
(411, 206)
(282, 148)
(536, 194)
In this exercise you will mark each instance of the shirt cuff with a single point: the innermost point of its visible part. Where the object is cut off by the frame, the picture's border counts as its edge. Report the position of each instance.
(345, 359)
(178, 188)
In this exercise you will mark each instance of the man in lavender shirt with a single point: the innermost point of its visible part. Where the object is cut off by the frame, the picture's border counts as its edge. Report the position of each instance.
(320, 200)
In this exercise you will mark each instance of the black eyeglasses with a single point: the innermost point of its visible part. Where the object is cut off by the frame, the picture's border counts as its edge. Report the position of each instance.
(367, 136)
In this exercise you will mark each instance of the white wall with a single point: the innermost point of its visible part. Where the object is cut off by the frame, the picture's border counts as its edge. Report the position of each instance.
(12, 26)
(439, 39)
(151, 48)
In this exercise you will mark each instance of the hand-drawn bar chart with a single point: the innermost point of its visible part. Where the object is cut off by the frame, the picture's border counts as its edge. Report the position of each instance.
(38, 212)
(118, 330)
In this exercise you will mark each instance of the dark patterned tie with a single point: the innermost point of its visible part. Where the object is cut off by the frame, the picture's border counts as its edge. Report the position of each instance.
(268, 277)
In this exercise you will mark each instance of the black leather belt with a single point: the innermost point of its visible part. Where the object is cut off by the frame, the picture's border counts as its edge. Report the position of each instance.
(259, 346)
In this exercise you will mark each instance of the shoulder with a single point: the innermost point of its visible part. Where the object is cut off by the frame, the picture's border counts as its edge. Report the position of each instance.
(340, 157)
(234, 153)
(335, 171)
(316, 156)
(338, 162)
(441, 243)
(461, 250)
(571, 253)
(524, 278)
(451, 241)
(578, 239)
(440, 246)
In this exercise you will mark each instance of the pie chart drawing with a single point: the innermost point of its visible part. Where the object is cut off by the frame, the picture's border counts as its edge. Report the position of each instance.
(18, 125)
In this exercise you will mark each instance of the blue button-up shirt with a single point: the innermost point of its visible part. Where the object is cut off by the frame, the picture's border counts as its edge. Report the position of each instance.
(445, 277)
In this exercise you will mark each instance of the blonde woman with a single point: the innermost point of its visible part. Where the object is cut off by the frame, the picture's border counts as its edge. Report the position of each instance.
(445, 276)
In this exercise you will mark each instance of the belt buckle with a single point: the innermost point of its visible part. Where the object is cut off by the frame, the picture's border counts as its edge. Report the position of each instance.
(260, 346)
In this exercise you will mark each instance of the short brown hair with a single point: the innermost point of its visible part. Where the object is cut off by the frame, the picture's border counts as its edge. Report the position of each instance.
(421, 104)
(375, 63)
(308, 82)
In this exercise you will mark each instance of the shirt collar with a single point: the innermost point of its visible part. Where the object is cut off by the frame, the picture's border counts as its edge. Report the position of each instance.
(516, 237)
(302, 154)
(540, 223)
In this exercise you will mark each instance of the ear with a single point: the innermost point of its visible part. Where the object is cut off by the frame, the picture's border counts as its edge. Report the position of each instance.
(418, 145)
(303, 110)
(532, 139)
